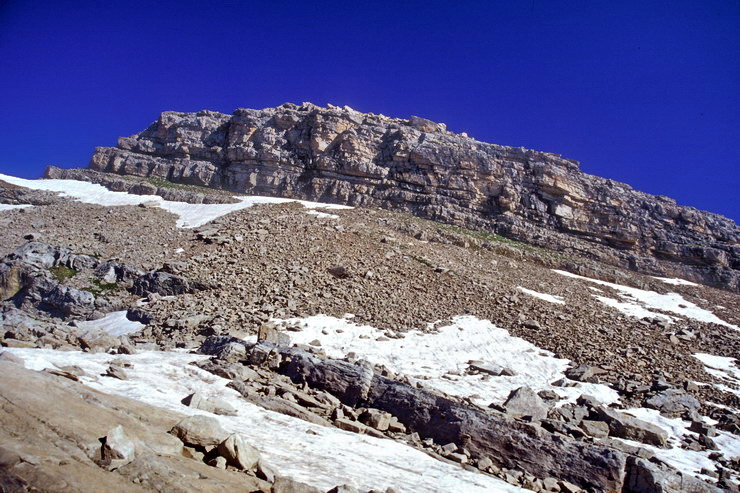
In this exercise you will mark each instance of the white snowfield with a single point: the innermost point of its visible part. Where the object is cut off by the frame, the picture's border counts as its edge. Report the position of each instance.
(320, 456)
(686, 461)
(10, 207)
(114, 323)
(440, 360)
(638, 302)
(189, 215)
(543, 296)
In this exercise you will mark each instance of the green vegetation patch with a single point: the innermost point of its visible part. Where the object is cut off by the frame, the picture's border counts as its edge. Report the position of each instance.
(61, 272)
(101, 289)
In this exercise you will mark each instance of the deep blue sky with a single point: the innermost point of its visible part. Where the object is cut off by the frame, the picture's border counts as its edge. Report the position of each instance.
(644, 92)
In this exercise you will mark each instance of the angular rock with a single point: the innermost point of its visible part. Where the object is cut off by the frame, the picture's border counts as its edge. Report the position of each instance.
(199, 430)
(673, 403)
(377, 419)
(596, 429)
(622, 425)
(165, 284)
(644, 477)
(238, 452)
(118, 447)
(212, 405)
(524, 402)
(284, 484)
(585, 373)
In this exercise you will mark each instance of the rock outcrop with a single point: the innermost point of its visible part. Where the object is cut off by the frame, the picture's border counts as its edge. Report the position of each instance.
(340, 155)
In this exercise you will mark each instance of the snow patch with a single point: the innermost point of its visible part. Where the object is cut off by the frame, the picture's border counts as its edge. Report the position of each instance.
(675, 281)
(632, 309)
(440, 359)
(724, 369)
(114, 323)
(10, 207)
(322, 215)
(317, 455)
(543, 296)
(189, 215)
(670, 302)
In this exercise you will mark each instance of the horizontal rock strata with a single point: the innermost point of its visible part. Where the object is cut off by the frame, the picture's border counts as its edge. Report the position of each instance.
(340, 155)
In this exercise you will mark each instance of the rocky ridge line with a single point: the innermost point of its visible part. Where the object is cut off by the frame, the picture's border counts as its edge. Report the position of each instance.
(340, 155)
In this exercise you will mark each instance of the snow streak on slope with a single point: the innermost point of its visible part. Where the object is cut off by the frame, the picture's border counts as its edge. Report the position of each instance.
(543, 296)
(313, 454)
(9, 207)
(440, 360)
(642, 299)
(190, 215)
(724, 369)
(675, 281)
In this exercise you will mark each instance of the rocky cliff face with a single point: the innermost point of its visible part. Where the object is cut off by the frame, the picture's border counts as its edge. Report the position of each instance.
(340, 155)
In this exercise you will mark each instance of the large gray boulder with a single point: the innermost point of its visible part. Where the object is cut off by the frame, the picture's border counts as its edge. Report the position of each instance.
(199, 430)
(165, 284)
(524, 402)
(623, 425)
(673, 403)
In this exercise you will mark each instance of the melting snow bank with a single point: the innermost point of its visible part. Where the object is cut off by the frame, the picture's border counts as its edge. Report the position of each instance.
(637, 302)
(543, 296)
(724, 369)
(189, 215)
(440, 359)
(687, 461)
(317, 455)
(114, 323)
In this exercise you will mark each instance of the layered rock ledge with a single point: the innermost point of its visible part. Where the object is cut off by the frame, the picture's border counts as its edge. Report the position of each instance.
(340, 155)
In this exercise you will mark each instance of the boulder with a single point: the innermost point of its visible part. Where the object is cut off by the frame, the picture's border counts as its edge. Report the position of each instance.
(524, 402)
(238, 453)
(284, 484)
(118, 448)
(199, 430)
(212, 405)
(623, 425)
(585, 373)
(645, 477)
(673, 403)
(165, 284)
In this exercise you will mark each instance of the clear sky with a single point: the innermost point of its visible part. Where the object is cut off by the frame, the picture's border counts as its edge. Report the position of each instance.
(644, 92)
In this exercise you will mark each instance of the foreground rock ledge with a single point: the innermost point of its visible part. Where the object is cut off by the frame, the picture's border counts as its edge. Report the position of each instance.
(513, 444)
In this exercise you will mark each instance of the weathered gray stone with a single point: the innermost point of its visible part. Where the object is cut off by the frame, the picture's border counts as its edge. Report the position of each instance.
(673, 403)
(644, 477)
(212, 405)
(199, 430)
(596, 429)
(622, 425)
(284, 484)
(165, 284)
(118, 447)
(524, 402)
(238, 452)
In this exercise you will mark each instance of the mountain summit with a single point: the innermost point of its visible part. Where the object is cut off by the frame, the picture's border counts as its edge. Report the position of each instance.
(343, 156)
